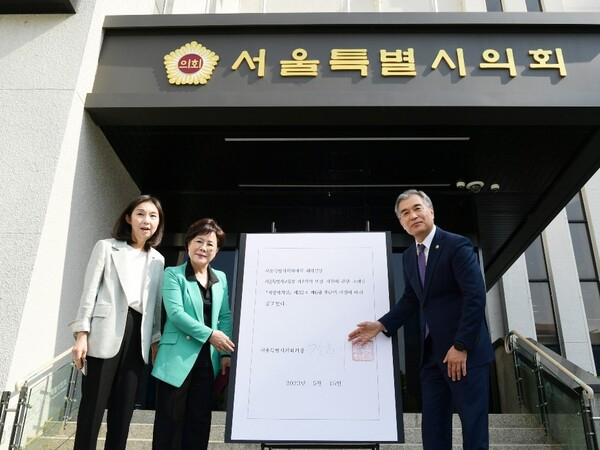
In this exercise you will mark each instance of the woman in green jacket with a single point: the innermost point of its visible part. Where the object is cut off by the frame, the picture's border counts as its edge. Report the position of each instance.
(196, 342)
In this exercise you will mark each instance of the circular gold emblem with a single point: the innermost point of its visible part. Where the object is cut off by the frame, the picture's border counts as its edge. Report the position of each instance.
(190, 64)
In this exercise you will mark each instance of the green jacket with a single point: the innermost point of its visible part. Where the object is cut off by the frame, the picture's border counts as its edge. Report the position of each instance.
(184, 332)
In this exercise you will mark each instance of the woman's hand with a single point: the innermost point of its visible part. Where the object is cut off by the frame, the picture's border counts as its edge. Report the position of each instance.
(221, 342)
(79, 350)
(225, 364)
(154, 351)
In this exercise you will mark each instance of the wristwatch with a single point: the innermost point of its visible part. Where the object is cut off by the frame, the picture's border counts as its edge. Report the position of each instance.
(459, 346)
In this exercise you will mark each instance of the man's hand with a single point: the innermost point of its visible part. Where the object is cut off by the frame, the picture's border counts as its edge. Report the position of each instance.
(457, 363)
(365, 332)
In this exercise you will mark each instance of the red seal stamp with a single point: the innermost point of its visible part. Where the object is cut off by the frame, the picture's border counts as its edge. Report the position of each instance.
(363, 352)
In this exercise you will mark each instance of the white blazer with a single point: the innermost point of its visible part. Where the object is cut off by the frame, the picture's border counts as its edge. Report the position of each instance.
(103, 308)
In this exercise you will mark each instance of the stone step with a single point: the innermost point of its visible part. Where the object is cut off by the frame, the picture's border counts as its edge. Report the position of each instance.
(513, 435)
(141, 416)
(507, 431)
(146, 444)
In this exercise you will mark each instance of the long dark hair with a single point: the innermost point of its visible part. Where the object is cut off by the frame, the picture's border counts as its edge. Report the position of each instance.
(122, 230)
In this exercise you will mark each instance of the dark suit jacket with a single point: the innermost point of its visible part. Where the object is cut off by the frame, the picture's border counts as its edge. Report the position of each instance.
(452, 300)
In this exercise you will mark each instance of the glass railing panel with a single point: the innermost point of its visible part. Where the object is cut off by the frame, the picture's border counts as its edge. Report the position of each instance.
(560, 392)
(47, 406)
(526, 369)
(564, 421)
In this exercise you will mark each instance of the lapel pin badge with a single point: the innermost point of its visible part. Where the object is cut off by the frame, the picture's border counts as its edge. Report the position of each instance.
(437, 247)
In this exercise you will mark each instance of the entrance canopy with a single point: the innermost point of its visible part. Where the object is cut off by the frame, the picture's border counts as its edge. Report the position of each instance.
(38, 6)
(316, 122)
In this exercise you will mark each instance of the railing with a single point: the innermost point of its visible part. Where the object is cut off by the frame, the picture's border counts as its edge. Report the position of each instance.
(554, 388)
(4, 399)
(47, 398)
(547, 385)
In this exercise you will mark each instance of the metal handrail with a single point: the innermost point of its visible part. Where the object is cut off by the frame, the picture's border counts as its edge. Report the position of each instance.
(586, 397)
(589, 392)
(22, 387)
(20, 414)
(4, 399)
(41, 369)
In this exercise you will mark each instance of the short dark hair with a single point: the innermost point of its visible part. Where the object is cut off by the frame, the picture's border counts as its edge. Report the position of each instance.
(122, 230)
(202, 227)
(410, 193)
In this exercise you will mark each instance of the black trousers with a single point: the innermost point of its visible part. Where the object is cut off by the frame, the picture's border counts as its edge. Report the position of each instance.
(469, 397)
(111, 384)
(183, 415)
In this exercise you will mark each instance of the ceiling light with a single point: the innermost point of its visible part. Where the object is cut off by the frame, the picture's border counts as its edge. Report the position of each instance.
(345, 138)
(475, 186)
(334, 186)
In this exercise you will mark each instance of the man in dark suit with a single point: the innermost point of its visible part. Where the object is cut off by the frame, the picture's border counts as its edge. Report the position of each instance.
(443, 281)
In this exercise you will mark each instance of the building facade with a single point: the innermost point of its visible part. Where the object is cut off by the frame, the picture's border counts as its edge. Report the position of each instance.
(62, 185)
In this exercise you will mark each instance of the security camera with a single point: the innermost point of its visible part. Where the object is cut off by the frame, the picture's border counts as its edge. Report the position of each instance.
(475, 186)
(495, 187)
(460, 184)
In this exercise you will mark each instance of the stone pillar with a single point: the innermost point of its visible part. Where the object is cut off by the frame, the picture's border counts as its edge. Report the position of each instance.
(568, 301)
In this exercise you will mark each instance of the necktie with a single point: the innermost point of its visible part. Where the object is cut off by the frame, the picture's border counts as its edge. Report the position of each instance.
(422, 265)
(421, 261)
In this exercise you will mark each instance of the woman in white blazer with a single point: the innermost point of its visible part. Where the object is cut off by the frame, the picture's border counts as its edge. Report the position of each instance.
(118, 322)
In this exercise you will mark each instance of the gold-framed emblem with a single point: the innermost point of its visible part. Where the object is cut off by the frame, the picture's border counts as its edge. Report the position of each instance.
(192, 63)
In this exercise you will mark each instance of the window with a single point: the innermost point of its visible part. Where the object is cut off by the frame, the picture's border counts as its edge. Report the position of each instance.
(493, 5)
(541, 296)
(533, 5)
(586, 268)
(496, 5)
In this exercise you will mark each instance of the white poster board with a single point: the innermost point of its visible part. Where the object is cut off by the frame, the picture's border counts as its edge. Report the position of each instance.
(295, 376)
